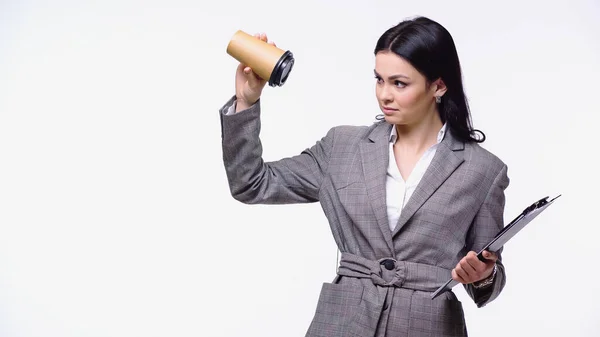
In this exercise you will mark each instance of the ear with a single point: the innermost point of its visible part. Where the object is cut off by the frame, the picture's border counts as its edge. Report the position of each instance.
(439, 87)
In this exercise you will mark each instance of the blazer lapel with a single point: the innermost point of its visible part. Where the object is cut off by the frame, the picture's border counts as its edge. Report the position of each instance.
(375, 158)
(449, 155)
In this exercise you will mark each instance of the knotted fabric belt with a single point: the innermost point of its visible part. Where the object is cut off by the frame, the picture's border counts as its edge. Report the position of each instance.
(389, 272)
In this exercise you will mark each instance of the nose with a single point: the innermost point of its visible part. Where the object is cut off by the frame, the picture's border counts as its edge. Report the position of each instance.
(385, 93)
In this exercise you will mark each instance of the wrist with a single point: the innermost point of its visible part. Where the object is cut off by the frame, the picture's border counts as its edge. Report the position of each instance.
(486, 281)
(243, 104)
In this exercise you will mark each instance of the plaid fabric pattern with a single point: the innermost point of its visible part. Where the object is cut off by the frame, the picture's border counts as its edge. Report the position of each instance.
(458, 206)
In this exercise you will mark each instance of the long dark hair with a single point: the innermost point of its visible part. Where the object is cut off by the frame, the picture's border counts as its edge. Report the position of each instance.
(429, 47)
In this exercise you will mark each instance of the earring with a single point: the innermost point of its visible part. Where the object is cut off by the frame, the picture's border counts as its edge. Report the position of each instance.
(438, 99)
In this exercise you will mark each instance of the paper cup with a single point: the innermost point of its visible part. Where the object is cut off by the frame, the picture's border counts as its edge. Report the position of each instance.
(267, 61)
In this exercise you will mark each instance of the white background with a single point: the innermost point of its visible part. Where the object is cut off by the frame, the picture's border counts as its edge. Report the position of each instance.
(115, 214)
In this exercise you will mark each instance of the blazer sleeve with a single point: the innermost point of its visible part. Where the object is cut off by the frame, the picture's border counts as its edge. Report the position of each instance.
(488, 221)
(295, 179)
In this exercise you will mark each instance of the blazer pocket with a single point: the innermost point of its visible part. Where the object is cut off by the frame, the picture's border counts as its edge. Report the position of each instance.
(441, 317)
(340, 184)
(336, 309)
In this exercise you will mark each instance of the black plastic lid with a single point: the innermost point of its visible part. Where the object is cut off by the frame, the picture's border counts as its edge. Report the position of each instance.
(282, 69)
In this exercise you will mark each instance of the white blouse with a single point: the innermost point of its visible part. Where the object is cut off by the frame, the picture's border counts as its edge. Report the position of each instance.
(398, 191)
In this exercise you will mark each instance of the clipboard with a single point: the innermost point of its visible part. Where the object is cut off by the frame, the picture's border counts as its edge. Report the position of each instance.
(504, 235)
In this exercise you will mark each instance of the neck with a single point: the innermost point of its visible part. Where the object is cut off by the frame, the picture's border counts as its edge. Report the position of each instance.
(419, 136)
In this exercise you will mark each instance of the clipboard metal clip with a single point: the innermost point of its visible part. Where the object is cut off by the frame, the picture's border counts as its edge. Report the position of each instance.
(538, 204)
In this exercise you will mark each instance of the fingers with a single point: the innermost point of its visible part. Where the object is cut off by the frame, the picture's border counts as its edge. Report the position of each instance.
(461, 275)
(492, 257)
(253, 79)
(473, 261)
(263, 37)
(469, 266)
(470, 269)
(245, 69)
(457, 277)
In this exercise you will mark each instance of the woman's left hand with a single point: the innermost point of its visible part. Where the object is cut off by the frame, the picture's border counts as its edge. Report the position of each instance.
(470, 269)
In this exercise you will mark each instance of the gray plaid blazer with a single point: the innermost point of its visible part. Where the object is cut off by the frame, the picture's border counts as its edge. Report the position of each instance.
(385, 277)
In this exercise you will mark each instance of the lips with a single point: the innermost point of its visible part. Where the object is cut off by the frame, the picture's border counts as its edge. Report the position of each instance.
(388, 111)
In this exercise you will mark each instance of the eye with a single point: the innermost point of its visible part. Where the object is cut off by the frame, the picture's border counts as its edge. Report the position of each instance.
(400, 84)
(379, 80)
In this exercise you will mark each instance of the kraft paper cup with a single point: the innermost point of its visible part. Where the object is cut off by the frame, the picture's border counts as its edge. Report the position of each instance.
(267, 61)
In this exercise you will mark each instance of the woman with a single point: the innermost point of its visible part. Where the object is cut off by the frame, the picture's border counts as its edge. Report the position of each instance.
(409, 199)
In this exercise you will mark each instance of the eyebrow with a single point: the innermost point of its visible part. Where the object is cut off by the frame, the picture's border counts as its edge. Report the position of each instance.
(393, 77)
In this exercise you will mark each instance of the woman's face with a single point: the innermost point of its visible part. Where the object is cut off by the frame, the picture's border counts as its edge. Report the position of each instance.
(403, 94)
